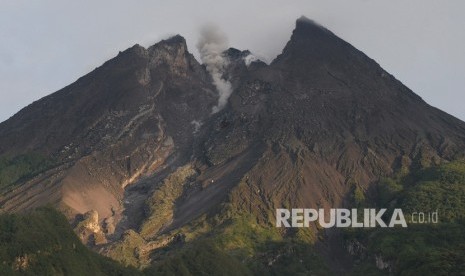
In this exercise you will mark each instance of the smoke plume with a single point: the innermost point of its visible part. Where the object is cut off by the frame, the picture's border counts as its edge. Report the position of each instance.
(249, 59)
(211, 45)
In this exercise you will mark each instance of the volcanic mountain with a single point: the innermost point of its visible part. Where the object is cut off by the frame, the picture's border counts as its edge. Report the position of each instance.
(134, 157)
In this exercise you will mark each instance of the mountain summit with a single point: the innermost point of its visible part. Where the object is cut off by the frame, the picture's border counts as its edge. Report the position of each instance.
(133, 156)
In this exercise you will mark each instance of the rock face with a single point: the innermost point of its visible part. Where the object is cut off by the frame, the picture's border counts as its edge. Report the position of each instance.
(109, 128)
(322, 118)
(89, 230)
(137, 135)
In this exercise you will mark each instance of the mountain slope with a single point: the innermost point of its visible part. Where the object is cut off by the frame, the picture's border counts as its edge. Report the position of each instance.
(330, 118)
(42, 243)
(143, 168)
(108, 128)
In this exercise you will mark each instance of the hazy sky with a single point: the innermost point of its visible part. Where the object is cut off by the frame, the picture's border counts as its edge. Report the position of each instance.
(48, 44)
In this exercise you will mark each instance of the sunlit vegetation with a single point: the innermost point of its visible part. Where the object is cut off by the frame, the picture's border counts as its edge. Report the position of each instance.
(423, 248)
(43, 243)
(22, 167)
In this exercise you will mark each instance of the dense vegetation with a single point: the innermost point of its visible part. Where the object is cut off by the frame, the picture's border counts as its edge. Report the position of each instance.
(43, 243)
(204, 257)
(423, 248)
(238, 245)
(14, 169)
(200, 258)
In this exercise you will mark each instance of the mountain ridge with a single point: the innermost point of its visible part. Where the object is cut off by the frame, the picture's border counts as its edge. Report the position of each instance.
(137, 154)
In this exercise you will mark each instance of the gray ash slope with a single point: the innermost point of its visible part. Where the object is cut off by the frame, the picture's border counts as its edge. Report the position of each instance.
(332, 116)
(298, 132)
(109, 127)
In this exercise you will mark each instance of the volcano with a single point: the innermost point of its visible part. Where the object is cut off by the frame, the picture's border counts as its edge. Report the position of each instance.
(145, 173)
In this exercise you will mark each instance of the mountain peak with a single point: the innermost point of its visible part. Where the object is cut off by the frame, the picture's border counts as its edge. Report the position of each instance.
(303, 20)
(176, 41)
(312, 45)
(309, 38)
(172, 52)
(309, 29)
(234, 53)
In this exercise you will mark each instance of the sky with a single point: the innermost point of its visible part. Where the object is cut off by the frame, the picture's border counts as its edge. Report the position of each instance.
(48, 44)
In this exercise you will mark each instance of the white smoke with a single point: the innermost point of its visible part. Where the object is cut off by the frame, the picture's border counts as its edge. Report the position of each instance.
(211, 45)
(249, 59)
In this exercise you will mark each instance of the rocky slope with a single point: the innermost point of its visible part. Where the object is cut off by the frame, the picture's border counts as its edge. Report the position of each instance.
(135, 144)
(109, 128)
